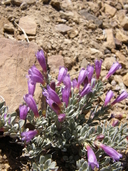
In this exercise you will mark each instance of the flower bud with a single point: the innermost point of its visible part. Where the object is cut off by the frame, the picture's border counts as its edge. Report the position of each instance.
(31, 87)
(115, 122)
(113, 69)
(61, 117)
(100, 137)
(82, 76)
(27, 136)
(98, 68)
(41, 58)
(121, 97)
(28, 98)
(62, 74)
(23, 111)
(90, 70)
(87, 89)
(108, 97)
(92, 160)
(111, 152)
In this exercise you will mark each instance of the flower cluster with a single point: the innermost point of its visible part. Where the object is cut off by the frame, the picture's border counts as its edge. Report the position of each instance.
(73, 125)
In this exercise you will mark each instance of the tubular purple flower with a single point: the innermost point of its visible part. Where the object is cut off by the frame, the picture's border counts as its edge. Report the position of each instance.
(67, 82)
(92, 160)
(53, 95)
(65, 95)
(85, 83)
(90, 70)
(74, 83)
(23, 111)
(41, 58)
(34, 70)
(82, 76)
(111, 152)
(31, 87)
(113, 69)
(35, 75)
(87, 89)
(115, 122)
(100, 137)
(98, 68)
(61, 117)
(62, 74)
(28, 98)
(27, 136)
(121, 97)
(53, 106)
(108, 97)
(53, 85)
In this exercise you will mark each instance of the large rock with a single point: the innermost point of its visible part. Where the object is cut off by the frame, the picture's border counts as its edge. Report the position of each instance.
(110, 10)
(15, 60)
(28, 24)
(121, 36)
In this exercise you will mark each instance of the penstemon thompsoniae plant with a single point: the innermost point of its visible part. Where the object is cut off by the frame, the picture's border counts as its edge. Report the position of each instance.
(74, 131)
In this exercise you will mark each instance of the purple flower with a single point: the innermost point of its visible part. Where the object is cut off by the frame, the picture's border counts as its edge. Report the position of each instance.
(23, 111)
(31, 87)
(121, 97)
(62, 74)
(61, 117)
(41, 58)
(27, 136)
(98, 68)
(67, 82)
(65, 95)
(100, 137)
(54, 106)
(53, 95)
(108, 97)
(90, 70)
(28, 98)
(115, 122)
(82, 76)
(53, 85)
(87, 89)
(74, 83)
(113, 69)
(35, 75)
(111, 152)
(92, 160)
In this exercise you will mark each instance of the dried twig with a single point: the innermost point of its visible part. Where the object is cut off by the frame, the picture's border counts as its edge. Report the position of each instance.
(23, 32)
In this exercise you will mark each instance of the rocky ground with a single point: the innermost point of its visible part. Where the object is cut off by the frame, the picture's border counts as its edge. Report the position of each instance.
(73, 33)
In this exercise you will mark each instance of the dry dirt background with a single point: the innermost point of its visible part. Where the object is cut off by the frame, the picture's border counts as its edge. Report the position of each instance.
(73, 33)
